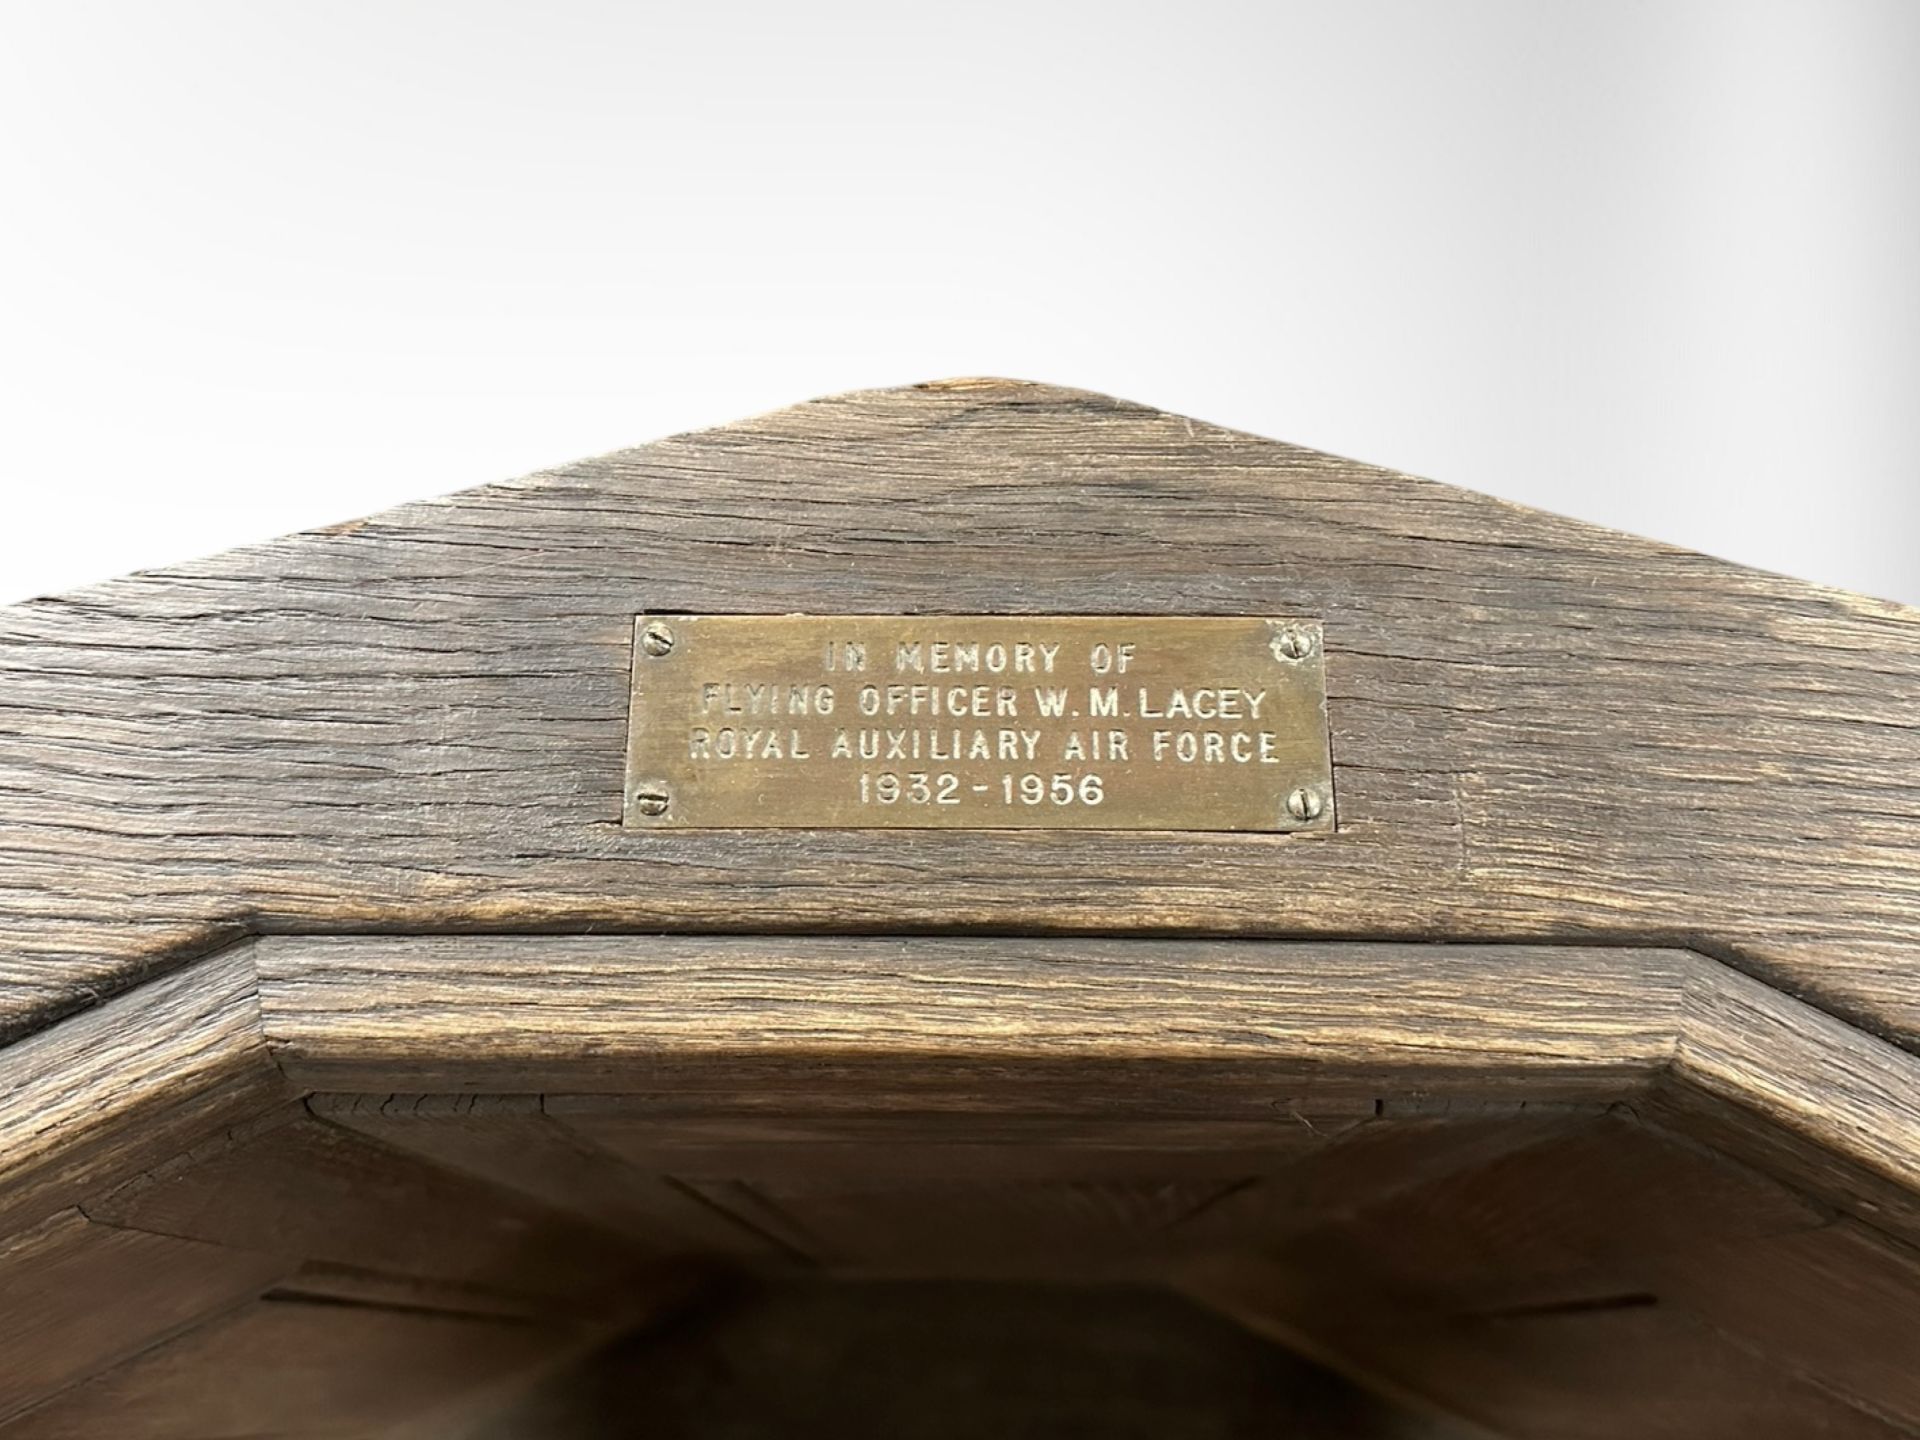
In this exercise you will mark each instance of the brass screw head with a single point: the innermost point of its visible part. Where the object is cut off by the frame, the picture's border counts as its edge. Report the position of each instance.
(657, 639)
(1293, 643)
(651, 801)
(1305, 804)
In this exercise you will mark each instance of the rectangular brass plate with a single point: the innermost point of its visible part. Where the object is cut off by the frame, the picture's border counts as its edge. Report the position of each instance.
(1088, 722)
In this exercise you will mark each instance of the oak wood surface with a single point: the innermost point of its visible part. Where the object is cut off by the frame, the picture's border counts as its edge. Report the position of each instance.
(1541, 730)
(1563, 1214)
(287, 1368)
(1414, 1161)
(880, 1018)
(1637, 1152)
(133, 1081)
(1841, 1303)
(1302, 1030)
(1665, 1378)
(77, 1297)
(300, 1186)
(1644, 1367)
(513, 1141)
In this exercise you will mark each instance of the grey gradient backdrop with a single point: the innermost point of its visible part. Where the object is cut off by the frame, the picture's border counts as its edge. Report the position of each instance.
(268, 265)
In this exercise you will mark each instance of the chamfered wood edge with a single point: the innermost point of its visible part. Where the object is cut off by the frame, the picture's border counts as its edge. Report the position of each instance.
(130, 1082)
(586, 1013)
(365, 1012)
(277, 1017)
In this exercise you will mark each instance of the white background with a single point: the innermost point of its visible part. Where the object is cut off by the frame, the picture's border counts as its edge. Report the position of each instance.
(267, 265)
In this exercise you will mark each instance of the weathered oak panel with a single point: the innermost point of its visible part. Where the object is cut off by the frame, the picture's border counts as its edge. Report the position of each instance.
(302, 1187)
(1594, 999)
(513, 1141)
(77, 1297)
(1541, 729)
(1618, 1366)
(286, 1368)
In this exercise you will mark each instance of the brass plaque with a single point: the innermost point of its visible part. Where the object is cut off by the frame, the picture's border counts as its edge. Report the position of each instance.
(978, 722)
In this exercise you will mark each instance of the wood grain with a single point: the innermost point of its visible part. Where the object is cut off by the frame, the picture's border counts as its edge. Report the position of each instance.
(140, 1078)
(929, 1149)
(1542, 730)
(1426, 1153)
(77, 1297)
(286, 1368)
(513, 1141)
(1520, 1230)
(1635, 1150)
(1663, 1376)
(299, 1186)
(1839, 1305)
(1497, 1220)
(1852, 1101)
(330, 1282)
(1015, 1024)
(870, 1024)
(1625, 1366)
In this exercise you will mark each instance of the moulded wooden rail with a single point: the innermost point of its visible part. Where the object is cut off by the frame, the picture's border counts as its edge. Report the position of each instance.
(895, 1023)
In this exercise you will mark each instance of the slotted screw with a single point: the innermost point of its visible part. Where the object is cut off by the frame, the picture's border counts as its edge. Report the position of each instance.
(1293, 643)
(1305, 804)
